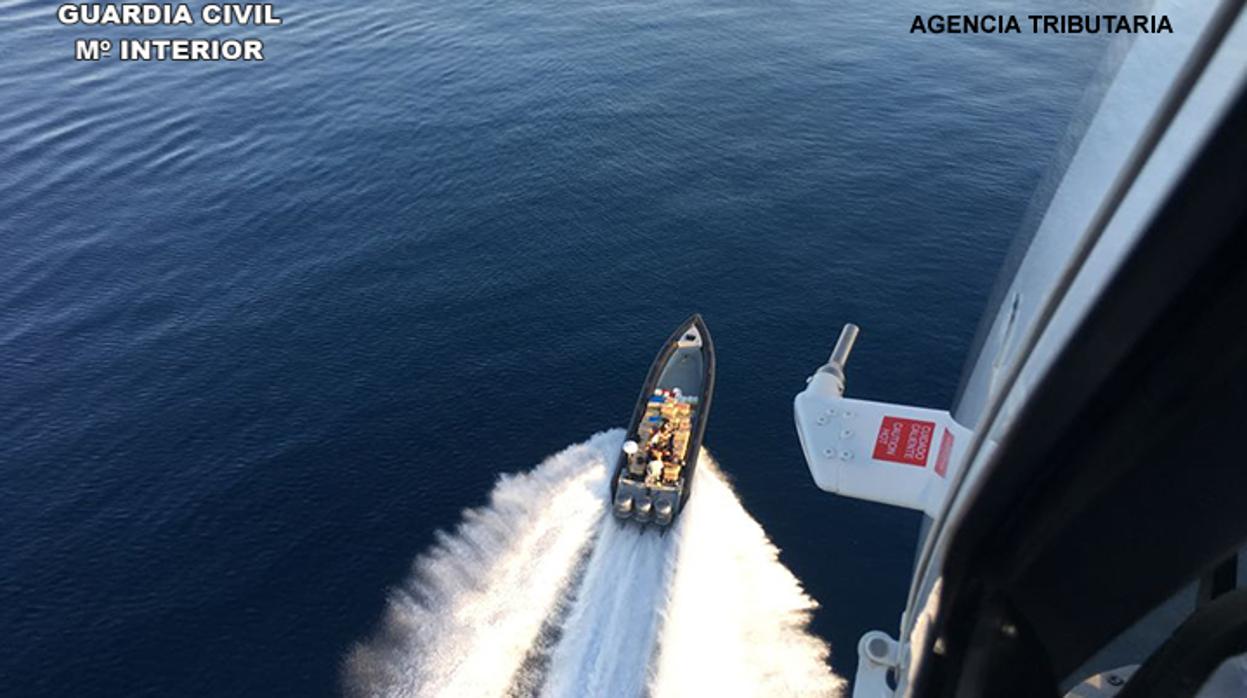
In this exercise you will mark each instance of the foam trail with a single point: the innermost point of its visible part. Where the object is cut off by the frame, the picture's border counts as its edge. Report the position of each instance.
(707, 609)
(736, 617)
(464, 623)
(611, 634)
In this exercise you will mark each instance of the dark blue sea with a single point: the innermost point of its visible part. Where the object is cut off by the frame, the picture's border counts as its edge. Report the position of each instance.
(265, 328)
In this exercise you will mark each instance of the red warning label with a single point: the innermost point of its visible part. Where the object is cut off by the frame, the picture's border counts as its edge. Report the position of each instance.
(905, 441)
(946, 450)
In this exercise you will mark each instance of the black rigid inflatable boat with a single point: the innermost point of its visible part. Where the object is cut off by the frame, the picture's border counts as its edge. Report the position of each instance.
(655, 470)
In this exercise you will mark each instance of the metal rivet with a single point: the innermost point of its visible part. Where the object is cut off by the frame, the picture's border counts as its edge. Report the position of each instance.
(846, 433)
(846, 455)
(1009, 630)
(822, 420)
(1115, 680)
(829, 452)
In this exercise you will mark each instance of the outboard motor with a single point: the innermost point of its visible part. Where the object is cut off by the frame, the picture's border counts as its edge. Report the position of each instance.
(644, 508)
(623, 505)
(662, 512)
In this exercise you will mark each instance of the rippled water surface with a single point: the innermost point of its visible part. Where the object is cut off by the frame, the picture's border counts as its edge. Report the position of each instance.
(266, 327)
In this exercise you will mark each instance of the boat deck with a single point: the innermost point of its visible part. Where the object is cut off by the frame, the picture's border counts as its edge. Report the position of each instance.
(663, 434)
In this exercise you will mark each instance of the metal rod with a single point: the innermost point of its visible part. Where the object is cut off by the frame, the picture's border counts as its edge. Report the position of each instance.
(844, 345)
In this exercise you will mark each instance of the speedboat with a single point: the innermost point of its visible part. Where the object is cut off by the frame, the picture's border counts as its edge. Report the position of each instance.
(654, 473)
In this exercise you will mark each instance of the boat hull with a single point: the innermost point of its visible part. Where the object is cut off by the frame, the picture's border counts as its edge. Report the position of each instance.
(654, 473)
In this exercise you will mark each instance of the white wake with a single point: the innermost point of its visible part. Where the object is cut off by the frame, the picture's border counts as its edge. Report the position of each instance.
(541, 593)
